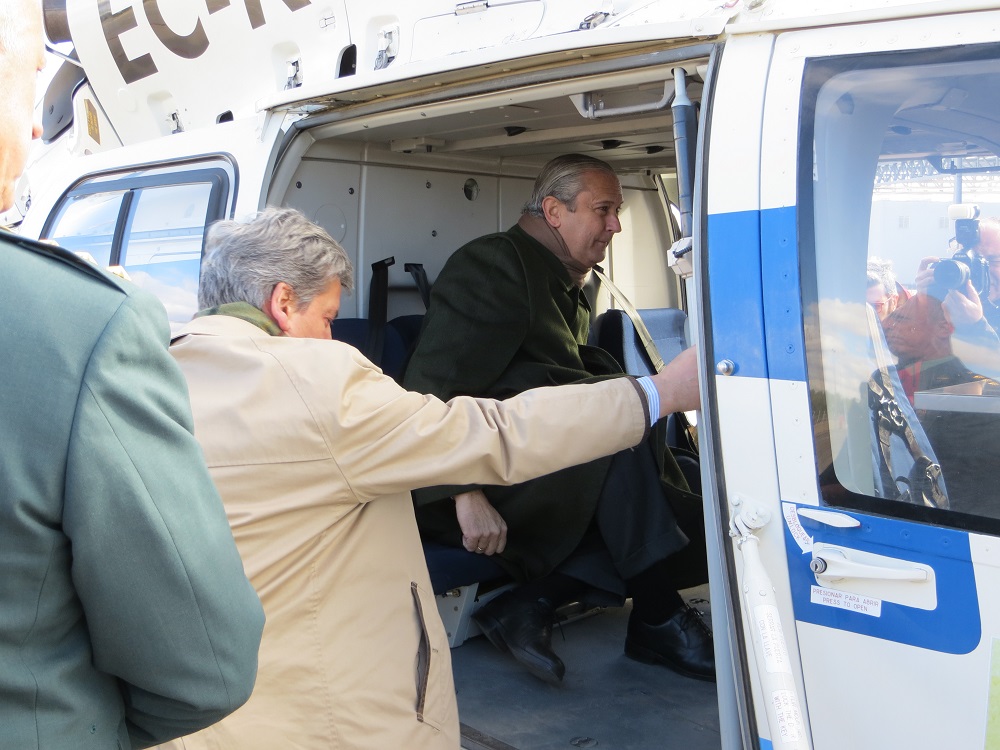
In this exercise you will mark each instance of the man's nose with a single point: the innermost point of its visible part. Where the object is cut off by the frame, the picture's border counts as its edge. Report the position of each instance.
(36, 130)
(614, 224)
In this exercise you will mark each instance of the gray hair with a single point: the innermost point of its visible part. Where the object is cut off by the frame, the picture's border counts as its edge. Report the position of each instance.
(562, 178)
(244, 261)
(880, 272)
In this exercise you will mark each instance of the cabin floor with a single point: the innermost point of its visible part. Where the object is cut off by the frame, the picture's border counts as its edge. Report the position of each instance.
(606, 701)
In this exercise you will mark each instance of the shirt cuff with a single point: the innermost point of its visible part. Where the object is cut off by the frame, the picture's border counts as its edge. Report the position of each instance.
(652, 396)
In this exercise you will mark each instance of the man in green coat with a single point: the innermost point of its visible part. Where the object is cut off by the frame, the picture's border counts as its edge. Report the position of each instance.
(508, 313)
(125, 615)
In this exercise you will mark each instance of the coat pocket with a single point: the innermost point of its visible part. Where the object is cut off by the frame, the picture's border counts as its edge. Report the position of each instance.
(435, 690)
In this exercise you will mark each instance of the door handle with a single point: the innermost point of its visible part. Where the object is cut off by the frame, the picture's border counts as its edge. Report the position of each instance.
(833, 569)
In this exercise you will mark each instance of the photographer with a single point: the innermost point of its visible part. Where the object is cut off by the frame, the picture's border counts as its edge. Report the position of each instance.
(968, 286)
(974, 297)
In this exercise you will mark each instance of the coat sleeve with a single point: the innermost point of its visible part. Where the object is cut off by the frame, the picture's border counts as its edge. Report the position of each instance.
(168, 607)
(475, 325)
(388, 440)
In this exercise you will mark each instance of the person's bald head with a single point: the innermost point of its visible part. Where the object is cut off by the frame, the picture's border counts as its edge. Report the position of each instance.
(22, 55)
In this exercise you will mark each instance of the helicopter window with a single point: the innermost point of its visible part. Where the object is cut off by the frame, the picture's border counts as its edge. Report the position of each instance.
(87, 223)
(900, 240)
(150, 221)
(161, 250)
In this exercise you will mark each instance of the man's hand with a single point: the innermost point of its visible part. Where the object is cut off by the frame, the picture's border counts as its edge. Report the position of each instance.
(483, 529)
(962, 307)
(677, 383)
(925, 274)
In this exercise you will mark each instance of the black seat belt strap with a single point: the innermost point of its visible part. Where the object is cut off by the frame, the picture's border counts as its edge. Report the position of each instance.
(378, 309)
(416, 270)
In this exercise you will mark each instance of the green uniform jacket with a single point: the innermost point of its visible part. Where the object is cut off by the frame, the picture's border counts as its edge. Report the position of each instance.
(504, 317)
(125, 615)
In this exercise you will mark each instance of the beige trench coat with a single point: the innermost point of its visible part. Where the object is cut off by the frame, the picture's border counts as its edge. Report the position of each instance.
(314, 452)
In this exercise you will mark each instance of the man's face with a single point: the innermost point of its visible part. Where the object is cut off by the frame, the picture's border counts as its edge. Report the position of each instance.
(882, 302)
(915, 330)
(19, 66)
(588, 226)
(989, 248)
(313, 321)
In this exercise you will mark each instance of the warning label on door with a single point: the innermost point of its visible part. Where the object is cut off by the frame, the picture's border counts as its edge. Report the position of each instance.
(865, 605)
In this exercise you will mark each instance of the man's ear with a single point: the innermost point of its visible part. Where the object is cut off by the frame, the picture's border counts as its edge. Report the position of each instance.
(280, 305)
(945, 329)
(552, 211)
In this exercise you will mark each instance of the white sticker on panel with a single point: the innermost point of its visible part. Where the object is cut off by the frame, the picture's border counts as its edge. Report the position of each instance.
(772, 639)
(799, 534)
(786, 710)
(865, 605)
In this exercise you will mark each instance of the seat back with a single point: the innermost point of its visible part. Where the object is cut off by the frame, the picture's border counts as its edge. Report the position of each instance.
(616, 334)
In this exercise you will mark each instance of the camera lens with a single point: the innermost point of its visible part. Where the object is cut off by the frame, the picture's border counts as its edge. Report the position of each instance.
(950, 274)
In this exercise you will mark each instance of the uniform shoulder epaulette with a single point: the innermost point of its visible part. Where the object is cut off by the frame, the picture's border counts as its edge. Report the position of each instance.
(56, 253)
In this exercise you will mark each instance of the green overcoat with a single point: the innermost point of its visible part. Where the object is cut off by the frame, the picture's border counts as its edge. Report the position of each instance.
(505, 317)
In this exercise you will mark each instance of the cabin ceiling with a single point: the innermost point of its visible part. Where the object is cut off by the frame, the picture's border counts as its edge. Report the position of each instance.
(537, 130)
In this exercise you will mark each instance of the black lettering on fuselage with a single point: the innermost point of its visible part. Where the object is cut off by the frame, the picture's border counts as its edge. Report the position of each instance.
(256, 15)
(189, 46)
(114, 25)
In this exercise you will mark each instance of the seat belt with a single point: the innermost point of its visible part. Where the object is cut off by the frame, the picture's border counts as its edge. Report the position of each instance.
(683, 424)
(378, 309)
(416, 270)
(893, 416)
(640, 328)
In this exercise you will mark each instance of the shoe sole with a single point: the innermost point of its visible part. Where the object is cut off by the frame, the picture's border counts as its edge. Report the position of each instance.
(648, 656)
(493, 631)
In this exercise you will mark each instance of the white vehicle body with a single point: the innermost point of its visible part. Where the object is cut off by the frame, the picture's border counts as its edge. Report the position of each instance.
(844, 618)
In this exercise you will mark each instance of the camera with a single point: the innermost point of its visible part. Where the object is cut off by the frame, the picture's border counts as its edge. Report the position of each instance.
(966, 264)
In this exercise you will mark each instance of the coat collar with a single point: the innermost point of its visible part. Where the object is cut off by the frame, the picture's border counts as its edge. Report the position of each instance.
(554, 265)
(220, 325)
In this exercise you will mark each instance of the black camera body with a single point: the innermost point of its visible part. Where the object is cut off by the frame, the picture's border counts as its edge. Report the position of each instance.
(966, 264)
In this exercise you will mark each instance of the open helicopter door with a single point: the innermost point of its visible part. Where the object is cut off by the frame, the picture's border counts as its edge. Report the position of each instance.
(858, 456)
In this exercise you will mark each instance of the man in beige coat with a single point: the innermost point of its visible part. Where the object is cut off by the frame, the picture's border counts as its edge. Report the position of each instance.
(314, 452)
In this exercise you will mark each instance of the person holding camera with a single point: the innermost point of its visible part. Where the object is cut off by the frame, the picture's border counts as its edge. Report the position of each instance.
(968, 287)
(968, 284)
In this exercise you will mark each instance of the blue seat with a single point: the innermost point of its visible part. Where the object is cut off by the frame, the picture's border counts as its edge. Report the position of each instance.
(616, 334)
(399, 338)
(454, 567)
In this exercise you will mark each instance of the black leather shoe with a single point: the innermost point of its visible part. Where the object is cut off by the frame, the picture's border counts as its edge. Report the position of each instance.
(683, 643)
(525, 630)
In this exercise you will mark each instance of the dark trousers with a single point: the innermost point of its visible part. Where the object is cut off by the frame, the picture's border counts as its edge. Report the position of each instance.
(634, 526)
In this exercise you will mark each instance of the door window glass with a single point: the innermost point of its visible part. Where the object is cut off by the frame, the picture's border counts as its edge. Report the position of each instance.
(900, 197)
(87, 223)
(151, 222)
(162, 247)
